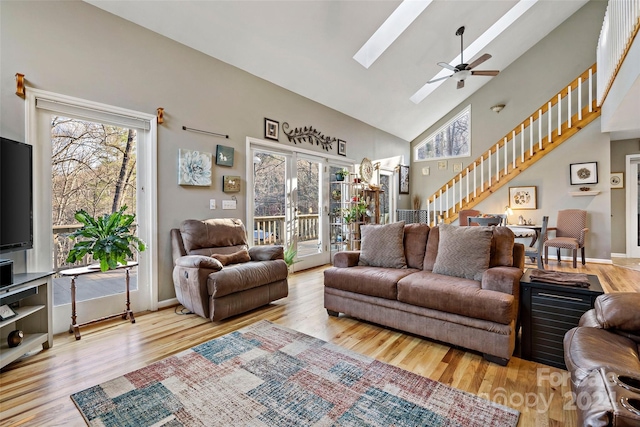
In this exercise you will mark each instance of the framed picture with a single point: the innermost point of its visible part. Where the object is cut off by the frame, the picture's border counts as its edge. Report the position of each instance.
(457, 167)
(231, 184)
(617, 180)
(404, 180)
(442, 165)
(271, 129)
(224, 155)
(523, 197)
(583, 173)
(194, 168)
(342, 147)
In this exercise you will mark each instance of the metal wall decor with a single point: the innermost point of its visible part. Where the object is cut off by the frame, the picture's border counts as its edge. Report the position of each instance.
(309, 134)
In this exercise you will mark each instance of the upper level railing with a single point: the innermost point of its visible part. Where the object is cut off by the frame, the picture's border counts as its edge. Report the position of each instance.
(553, 123)
(619, 28)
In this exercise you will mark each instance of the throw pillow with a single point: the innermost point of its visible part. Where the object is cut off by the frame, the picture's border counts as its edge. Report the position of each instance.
(234, 258)
(382, 245)
(415, 242)
(463, 251)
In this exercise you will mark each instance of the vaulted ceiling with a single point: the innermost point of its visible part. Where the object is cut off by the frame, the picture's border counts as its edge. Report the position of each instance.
(308, 47)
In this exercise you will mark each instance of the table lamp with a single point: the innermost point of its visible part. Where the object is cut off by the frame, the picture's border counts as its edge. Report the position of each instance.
(507, 212)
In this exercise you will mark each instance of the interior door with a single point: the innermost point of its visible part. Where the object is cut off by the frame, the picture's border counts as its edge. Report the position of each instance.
(633, 205)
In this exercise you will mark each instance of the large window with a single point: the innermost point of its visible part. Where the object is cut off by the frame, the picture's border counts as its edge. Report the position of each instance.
(450, 141)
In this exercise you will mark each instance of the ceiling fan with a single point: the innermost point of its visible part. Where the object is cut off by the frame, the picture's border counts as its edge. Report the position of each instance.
(462, 71)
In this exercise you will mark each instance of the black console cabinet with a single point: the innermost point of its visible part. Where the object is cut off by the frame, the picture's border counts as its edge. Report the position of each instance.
(547, 312)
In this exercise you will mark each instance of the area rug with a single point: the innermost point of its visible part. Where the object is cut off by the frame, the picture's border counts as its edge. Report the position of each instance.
(268, 375)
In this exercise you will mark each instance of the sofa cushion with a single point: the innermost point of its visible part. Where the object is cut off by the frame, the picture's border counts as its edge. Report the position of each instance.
(619, 311)
(502, 247)
(375, 238)
(463, 251)
(586, 349)
(240, 277)
(431, 251)
(234, 258)
(212, 233)
(456, 295)
(415, 242)
(372, 281)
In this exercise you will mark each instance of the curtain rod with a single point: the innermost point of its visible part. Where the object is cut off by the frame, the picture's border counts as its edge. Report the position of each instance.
(206, 132)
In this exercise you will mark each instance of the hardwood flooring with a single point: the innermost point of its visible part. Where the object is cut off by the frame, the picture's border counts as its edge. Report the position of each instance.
(34, 391)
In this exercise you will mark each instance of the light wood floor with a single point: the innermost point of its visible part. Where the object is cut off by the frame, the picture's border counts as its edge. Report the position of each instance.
(35, 390)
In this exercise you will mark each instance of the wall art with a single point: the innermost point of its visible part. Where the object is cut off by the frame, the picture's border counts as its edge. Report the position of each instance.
(194, 168)
(224, 155)
(404, 180)
(271, 129)
(523, 197)
(310, 135)
(617, 180)
(231, 184)
(342, 147)
(583, 173)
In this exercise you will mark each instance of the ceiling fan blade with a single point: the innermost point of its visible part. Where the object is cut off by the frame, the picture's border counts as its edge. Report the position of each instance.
(460, 84)
(447, 66)
(485, 73)
(478, 61)
(437, 80)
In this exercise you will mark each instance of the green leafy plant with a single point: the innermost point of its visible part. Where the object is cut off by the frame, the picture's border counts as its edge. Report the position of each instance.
(290, 255)
(106, 237)
(341, 174)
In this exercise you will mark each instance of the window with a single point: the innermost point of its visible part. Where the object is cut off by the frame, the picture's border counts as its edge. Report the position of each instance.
(451, 140)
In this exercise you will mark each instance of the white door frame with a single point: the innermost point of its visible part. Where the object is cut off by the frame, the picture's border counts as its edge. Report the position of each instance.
(292, 152)
(631, 195)
(40, 257)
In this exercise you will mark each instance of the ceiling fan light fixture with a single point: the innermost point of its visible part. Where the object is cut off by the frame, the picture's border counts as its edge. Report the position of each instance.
(497, 108)
(461, 75)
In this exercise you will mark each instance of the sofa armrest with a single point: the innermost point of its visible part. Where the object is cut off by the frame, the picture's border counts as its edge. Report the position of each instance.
(346, 259)
(503, 279)
(266, 253)
(199, 261)
(619, 311)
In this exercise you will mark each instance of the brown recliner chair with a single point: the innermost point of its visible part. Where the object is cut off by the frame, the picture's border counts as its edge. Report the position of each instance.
(602, 356)
(216, 275)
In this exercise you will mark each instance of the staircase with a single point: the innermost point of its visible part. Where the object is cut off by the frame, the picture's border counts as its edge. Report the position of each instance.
(548, 127)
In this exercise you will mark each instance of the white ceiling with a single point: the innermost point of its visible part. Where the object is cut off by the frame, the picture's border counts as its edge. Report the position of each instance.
(307, 47)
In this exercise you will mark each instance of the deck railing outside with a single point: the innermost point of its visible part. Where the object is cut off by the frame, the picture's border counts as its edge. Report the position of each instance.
(270, 230)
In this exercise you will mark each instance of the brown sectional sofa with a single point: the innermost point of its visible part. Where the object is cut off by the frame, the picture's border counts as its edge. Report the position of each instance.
(602, 355)
(476, 314)
(252, 277)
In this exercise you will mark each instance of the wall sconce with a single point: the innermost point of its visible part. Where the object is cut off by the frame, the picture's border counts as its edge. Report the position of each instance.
(20, 85)
(497, 108)
(160, 115)
(507, 212)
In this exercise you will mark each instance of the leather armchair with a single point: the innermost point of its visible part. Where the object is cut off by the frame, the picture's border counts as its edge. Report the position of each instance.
(602, 356)
(207, 287)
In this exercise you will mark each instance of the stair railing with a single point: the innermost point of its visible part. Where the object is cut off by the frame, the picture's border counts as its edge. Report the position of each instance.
(552, 123)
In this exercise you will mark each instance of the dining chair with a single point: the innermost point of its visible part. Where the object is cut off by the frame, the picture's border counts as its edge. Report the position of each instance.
(570, 231)
(466, 213)
(484, 220)
(535, 252)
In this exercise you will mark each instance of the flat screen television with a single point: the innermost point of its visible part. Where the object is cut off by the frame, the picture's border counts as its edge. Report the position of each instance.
(16, 196)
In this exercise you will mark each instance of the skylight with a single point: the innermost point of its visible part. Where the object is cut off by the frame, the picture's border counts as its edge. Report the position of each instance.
(479, 44)
(390, 30)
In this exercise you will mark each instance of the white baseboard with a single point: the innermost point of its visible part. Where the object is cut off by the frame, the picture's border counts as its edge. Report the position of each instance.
(168, 303)
(570, 259)
(615, 255)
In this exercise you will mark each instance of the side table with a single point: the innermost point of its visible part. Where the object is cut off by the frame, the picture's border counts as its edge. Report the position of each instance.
(547, 312)
(74, 273)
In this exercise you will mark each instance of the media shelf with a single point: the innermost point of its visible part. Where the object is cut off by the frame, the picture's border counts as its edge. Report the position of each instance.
(32, 293)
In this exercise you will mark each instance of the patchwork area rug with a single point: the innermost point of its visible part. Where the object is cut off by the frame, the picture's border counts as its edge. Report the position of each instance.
(268, 375)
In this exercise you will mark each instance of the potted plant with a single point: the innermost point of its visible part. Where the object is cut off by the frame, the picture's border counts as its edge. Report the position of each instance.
(108, 238)
(341, 174)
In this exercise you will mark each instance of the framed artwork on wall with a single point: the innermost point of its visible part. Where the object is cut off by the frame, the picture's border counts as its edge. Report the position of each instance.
(404, 180)
(617, 180)
(224, 155)
(342, 147)
(271, 129)
(583, 173)
(194, 168)
(523, 197)
(231, 184)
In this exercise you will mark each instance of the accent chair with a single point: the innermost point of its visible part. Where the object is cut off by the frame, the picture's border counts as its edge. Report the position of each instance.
(570, 231)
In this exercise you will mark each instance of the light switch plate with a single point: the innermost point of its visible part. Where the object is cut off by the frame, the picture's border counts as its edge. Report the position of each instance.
(212, 203)
(425, 170)
(228, 204)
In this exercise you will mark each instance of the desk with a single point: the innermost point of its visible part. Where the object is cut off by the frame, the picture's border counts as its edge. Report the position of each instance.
(74, 273)
(534, 231)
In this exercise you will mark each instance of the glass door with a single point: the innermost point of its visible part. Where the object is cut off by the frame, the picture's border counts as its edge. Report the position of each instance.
(633, 206)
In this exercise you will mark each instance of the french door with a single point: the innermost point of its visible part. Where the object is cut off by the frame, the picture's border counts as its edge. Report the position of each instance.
(633, 205)
(288, 203)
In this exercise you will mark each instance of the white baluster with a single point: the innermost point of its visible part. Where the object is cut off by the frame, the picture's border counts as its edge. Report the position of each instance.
(549, 119)
(579, 98)
(513, 153)
(569, 106)
(590, 90)
(428, 216)
(540, 129)
(521, 145)
(482, 174)
(498, 161)
(446, 199)
(467, 185)
(440, 201)
(460, 179)
(559, 104)
(530, 136)
(489, 183)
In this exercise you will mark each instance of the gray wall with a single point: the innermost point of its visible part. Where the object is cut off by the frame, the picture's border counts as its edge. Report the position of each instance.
(73, 48)
(523, 87)
(619, 151)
